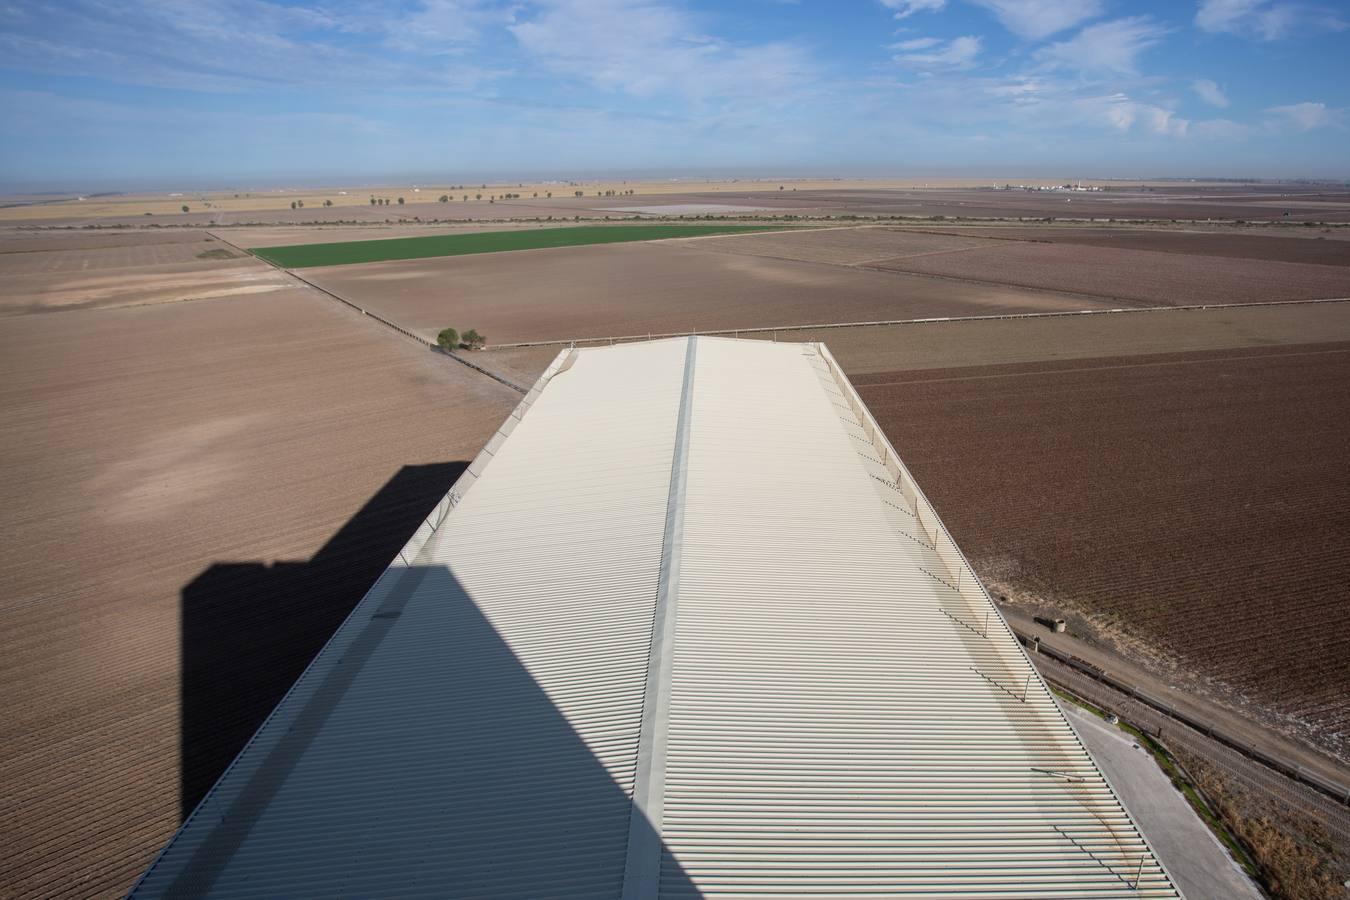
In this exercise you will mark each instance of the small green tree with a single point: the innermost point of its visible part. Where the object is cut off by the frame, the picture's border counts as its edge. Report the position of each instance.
(448, 339)
(328, 203)
(400, 201)
(472, 340)
(445, 198)
(185, 208)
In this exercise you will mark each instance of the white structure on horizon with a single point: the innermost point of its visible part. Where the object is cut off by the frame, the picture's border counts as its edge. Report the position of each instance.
(686, 626)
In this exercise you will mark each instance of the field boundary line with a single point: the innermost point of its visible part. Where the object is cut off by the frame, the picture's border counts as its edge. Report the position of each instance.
(430, 345)
(996, 317)
(1116, 366)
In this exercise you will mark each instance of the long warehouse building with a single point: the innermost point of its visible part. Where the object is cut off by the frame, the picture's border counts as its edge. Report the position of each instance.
(686, 626)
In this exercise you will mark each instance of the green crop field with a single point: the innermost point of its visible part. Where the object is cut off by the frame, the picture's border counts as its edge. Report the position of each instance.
(303, 256)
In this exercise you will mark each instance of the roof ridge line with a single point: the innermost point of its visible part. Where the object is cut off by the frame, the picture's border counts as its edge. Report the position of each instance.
(642, 865)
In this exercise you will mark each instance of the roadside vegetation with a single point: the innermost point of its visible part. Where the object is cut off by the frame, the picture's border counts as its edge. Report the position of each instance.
(450, 339)
(1286, 853)
(1180, 781)
(1294, 857)
(303, 256)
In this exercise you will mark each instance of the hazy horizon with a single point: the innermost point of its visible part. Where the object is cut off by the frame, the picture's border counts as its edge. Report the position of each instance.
(278, 183)
(220, 94)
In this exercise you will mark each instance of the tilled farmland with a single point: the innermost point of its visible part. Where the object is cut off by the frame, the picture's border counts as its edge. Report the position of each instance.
(670, 286)
(76, 271)
(138, 253)
(195, 494)
(1144, 276)
(841, 246)
(1292, 245)
(1197, 501)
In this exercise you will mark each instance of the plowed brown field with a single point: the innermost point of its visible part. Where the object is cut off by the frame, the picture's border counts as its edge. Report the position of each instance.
(1200, 501)
(192, 496)
(73, 271)
(840, 246)
(1295, 245)
(668, 286)
(1145, 276)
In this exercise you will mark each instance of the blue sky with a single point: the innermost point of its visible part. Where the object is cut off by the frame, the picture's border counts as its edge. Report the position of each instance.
(232, 92)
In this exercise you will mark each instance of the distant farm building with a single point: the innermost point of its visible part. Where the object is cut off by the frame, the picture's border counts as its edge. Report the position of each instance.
(685, 626)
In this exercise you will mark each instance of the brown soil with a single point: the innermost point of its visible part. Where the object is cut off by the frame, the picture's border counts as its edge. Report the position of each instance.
(181, 484)
(865, 350)
(1164, 279)
(131, 285)
(122, 256)
(63, 271)
(14, 240)
(1198, 501)
(629, 289)
(1296, 245)
(840, 246)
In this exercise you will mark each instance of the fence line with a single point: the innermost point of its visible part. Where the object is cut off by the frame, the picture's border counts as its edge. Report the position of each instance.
(722, 332)
(1337, 792)
(432, 345)
(1248, 773)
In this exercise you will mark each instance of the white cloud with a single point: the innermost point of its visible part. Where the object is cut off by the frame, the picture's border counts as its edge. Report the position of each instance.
(1306, 116)
(1220, 129)
(1037, 19)
(1264, 19)
(444, 25)
(1125, 114)
(958, 53)
(1107, 47)
(906, 8)
(650, 48)
(917, 44)
(1210, 92)
(244, 45)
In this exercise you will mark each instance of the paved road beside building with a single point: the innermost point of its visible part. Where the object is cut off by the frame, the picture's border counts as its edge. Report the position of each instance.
(1199, 865)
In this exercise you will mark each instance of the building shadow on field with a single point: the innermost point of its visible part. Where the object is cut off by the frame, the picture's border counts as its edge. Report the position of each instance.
(248, 629)
(418, 757)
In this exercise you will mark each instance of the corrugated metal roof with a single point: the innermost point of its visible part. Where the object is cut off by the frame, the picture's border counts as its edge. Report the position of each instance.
(695, 587)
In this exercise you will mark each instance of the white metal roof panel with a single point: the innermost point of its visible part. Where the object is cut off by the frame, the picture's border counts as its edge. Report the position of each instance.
(472, 729)
(834, 727)
(689, 583)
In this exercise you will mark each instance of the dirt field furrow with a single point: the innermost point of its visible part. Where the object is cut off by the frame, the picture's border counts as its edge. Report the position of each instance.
(1197, 502)
(202, 491)
(1147, 276)
(652, 288)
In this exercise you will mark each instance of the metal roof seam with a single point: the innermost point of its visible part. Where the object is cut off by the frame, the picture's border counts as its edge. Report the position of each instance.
(641, 879)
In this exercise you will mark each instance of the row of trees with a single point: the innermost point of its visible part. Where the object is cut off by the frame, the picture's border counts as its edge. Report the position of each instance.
(450, 339)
